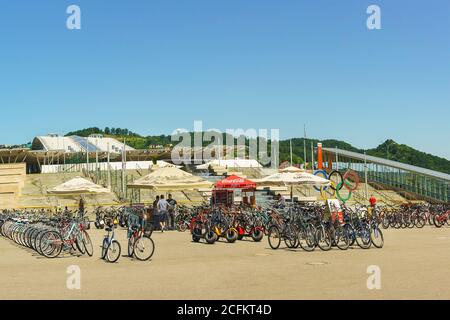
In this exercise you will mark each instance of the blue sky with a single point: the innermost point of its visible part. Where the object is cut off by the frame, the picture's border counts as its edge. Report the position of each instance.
(154, 66)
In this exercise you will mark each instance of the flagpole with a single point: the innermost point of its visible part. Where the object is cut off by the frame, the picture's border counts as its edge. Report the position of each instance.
(304, 146)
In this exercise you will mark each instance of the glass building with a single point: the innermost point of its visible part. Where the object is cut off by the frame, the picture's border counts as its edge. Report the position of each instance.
(423, 183)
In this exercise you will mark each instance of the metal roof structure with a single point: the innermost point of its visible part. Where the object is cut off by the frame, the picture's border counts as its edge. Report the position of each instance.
(390, 163)
(78, 144)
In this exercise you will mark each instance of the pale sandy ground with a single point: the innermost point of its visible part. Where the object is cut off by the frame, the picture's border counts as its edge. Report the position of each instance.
(414, 265)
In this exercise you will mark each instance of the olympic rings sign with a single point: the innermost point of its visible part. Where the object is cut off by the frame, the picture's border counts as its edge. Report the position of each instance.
(350, 180)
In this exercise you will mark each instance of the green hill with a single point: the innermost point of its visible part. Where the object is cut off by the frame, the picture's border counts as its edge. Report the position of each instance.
(387, 150)
(405, 154)
(390, 150)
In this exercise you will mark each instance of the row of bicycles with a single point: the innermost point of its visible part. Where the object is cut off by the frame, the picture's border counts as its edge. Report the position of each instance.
(49, 237)
(305, 226)
(313, 226)
(414, 216)
(52, 234)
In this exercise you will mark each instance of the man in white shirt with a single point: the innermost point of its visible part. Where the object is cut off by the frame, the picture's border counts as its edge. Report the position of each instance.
(162, 208)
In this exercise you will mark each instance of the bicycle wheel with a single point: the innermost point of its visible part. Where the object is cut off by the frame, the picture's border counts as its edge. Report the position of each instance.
(79, 244)
(88, 246)
(307, 239)
(113, 252)
(182, 227)
(274, 237)
(291, 238)
(421, 221)
(342, 239)
(51, 244)
(430, 219)
(37, 242)
(196, 234)
(211, 237)
(385, 222)
(363, 237)
(131, 246)
(438, 221)
(231, 235)
(323, 239)
(410, 223)
(377, 238)
(144, 248)
(351, 234)
(291, 243)
(105, 245)
(257, 235)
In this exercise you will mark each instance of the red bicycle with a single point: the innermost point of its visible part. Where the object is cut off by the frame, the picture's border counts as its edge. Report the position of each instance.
(140, 243)
(440, 219)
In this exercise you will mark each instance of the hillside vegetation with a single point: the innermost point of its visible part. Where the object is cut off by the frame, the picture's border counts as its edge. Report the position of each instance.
(387, 150)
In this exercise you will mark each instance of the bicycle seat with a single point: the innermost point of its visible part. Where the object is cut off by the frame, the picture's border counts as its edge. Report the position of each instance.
(108, 229)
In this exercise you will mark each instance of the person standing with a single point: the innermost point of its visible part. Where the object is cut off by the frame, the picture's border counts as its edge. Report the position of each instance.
(172, 209)
(281, 201)
(156, 217)
(162, 209)
(81, 208)
(373, 204)
(373, 201)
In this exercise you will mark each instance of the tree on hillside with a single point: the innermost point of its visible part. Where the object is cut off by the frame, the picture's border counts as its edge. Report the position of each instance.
(388, 150)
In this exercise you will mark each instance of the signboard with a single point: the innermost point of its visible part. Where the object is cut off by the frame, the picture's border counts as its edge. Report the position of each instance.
(334, 206)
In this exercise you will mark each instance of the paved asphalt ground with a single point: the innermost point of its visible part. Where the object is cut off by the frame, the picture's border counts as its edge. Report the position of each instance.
(414, 265)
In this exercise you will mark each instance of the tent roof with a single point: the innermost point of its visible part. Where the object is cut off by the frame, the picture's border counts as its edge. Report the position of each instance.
(78, 185)
(170, 179)
(231, 163)
(290, 178)
(291, 169)
(163, 164)
(235, 182)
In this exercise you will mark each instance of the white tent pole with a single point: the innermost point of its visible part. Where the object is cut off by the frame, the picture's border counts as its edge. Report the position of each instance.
(96, 152)
(304, 146)
(123, 168)
(64, 147)
(87, 156)
(96, 161)
(337, 159)
(109, 168)
(365, 176)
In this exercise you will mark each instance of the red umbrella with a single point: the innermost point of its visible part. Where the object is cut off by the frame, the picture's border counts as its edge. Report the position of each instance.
(235, 182)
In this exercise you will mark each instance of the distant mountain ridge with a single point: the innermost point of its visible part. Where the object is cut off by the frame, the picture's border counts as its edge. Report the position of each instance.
(388, 150)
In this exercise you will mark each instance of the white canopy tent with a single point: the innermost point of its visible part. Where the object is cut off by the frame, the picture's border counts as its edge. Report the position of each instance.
(231, 163)
(163, 164)
(292, 169)
(171, 179)
(292, 179)
(78, 185)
